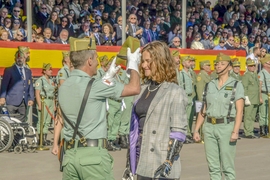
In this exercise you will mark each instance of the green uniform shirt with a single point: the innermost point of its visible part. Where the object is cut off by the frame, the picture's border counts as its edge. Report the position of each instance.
(186, 81)
(100, 73)
(202, 79)
(236, 76)
(46, 88)
(251, 85)
(194, 76)
(267, 79)
(93, 124)
(63, 73)
(218, 100)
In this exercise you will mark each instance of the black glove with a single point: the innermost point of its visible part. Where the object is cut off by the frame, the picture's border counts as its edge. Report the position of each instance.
(163, 170)
(174, 148)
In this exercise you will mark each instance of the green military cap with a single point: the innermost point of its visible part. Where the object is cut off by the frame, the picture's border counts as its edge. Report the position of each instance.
(110, 60)
(236, 63)
(46, 66)
(65, 54)
(205, 63)
(133, 44)
(222, 57)
(186, 58)
(103, 58)
(265, 59)
(24, 49)
(175, 53)
(192, 58)
(19, 54)
(86, 43)
(250, 62)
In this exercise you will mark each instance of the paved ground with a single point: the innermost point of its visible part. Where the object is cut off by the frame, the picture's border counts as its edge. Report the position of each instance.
(252, 163)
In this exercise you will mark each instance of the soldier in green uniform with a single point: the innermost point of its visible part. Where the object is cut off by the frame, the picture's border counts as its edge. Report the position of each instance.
(104, 66)
(264, 77)
(44, 88)
(87, 157)
(203, 78)
(186, 82)
(64, 72)
(251, 85)
(176, 56)
(235, 73)
(222, 120)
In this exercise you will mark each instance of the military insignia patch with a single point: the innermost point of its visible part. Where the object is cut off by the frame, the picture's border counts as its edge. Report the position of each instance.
(229, 88)
(37, 84)
(199, 78)
(61, 74)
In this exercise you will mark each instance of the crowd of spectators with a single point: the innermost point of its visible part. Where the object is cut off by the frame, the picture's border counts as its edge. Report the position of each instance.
(226, 25)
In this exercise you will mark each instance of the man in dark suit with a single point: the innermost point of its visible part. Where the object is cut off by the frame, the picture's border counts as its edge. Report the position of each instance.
(16, 14)
(47, 33)
(147, 33)
(42, 15)
(133, 29)
(17, 90)
(118, 31)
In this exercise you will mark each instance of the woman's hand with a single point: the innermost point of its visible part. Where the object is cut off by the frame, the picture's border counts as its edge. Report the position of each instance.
(234, 137)
(196, 136)
(55, 150)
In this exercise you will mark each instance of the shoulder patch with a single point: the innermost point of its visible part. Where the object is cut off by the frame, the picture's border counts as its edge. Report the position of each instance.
(199, 78)
(61, 74)
(37, 84)
(107, 82)
(259, 76)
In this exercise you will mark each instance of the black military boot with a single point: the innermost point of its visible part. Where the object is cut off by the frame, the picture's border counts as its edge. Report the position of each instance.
(262, 131)
(266, 130)
(113, 145)
(123, 141)
(45, 141)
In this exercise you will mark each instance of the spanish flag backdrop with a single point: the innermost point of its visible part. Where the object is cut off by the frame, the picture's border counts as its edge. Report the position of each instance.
(52, 53)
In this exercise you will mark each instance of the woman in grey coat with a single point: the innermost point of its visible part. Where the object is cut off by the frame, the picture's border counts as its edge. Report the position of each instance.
(159, 121)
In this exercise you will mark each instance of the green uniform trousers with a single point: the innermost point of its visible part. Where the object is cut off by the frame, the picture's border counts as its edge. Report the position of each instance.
(190, 114)
(114, 118)
(47, 118)
(249, 118)
(263, 111)
(87, 163)
(126, 116)
(220, 152)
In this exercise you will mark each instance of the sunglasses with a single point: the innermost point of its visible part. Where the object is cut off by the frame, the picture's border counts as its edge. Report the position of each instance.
(98, 19)
(176, 41)
(16, 22)
(7, 21)
(64, 21)
(43, 8)
(222, 42)
(16, 11)
(95, 27)
(133, 18)
(20, 35)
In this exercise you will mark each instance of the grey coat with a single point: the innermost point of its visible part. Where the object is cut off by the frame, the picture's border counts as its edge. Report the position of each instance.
(166, 114)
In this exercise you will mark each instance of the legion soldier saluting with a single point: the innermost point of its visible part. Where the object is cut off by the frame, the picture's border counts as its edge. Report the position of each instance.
(251, 85)
(44, 88)
(64, 72)
(85, 131)
(222, 113)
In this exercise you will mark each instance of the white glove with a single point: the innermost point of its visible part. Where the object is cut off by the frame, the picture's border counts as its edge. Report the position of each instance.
(109, 76)
(133, 60)
(247, 102)
(107, 105)
(123, 105)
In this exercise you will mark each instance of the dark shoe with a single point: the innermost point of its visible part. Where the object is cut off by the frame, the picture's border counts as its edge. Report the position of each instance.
(123, 141)
(251, 137)
(113, 145)
(45, 141)
(266, 130)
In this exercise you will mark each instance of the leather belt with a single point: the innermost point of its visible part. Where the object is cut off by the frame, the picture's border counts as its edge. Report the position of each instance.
(264, 92)
(88, 143)
(49, 98)
(213, 120)
(189, 94)
(115, 100)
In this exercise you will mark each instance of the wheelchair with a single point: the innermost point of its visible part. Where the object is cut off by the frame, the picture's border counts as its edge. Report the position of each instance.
(16, 136)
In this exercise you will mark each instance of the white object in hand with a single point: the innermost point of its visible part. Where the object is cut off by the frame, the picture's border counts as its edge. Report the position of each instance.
(133, 60)
(247, 102)
(123, 105)
(109, 76)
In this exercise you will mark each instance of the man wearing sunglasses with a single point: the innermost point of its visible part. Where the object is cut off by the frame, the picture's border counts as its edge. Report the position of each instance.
(42, 15)
(16, 14)
(206, 42)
